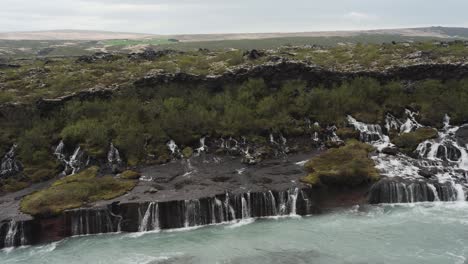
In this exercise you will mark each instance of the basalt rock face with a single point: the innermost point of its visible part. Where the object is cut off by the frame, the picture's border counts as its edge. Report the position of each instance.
(276, 72)
(147, 216)
(47, 105)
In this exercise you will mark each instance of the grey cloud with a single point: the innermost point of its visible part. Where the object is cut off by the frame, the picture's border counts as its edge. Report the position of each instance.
(209, 16)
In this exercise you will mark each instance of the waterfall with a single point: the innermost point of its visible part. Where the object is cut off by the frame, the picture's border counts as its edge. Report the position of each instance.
(293, 201)
(434, 192)
(202, 148)
(9, 166)
(410, 124)
(332, 136)
(245, 206)
(272, 139)
(392, 123)
(460, 193)
(150, 220)
(173, 147)
(75, 162)
(388, 191)
(113, 156)
(91, 221)
(273, 203)
(368, 132)
(11, 234)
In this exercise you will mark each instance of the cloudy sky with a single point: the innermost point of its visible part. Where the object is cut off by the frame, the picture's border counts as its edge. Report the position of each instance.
(228, 16)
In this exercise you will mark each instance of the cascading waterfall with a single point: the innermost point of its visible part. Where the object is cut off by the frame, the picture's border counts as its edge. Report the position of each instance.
(245, 206)
(75, 162)
(223, 208)
(331, 134)
(11, 234)
(91, 221)
(202, 148)
(113, 156)
(410, 124)
(9, 166)
(15, 234)
(150, 220)
(460, 193)
(272, 200)
(388, 191)
(434, 192)
(368, 132)
(442, 160)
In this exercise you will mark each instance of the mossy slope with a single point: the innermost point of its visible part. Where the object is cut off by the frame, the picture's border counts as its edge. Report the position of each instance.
(75, 191)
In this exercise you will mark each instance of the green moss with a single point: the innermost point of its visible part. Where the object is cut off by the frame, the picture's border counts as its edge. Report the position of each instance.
(187, 152)
(345, 166)
(75, 191)
(13, 185)
(408, 142)
(347, 133)
(130, 175)
(40, 174)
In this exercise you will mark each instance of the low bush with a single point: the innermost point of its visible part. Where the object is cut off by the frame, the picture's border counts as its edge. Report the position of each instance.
(345, 166)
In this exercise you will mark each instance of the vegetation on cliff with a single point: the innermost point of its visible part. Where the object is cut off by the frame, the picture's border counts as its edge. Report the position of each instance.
(140, 119)
(139, 122)
(408, 142)
(349, 166)
(75, 191)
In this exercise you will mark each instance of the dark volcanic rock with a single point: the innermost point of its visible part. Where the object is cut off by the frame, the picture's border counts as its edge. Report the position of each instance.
(462, 135)
(151, 54)
(254, 54)
(390, 151)
(98, 56)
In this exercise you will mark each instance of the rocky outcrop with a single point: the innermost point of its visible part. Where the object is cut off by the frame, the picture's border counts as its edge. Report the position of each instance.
(276, 72)
(98, 56)
(151, 54)
(154, 215)
(46, 105)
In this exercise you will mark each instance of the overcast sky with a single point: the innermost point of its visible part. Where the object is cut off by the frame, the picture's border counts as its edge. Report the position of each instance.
(222, 16)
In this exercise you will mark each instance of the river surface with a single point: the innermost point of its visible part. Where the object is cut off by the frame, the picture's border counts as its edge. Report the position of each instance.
(410, 233)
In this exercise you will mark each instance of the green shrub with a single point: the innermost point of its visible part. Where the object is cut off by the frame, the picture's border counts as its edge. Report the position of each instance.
(75, 191)
(130, 175)
(13, 185)
(408, 142)
(187, 152)
(345, 166)
(40, 174)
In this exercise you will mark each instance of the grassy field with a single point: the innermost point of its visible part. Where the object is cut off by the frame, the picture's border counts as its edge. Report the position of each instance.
(29, 48)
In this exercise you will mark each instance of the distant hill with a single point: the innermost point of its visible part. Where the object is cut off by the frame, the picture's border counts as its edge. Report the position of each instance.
(435, 32)
(72, 35)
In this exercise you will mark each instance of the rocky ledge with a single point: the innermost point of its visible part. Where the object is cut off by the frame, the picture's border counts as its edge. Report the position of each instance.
(204, 190)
